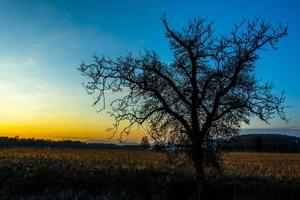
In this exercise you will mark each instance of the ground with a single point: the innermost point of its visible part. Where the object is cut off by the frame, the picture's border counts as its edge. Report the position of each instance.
(132, 174)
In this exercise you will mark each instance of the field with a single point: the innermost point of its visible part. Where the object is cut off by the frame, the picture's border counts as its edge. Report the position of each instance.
(124, 174)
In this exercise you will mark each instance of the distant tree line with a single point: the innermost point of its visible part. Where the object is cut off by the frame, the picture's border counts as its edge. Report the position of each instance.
(243, 143)
(247, 143)
(42, 143)
(261, 143)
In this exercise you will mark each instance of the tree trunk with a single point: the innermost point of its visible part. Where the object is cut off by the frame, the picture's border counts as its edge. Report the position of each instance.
(198, 160)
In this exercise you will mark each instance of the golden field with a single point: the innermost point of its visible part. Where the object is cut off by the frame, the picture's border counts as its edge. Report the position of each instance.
(134, 174)
(275, 165)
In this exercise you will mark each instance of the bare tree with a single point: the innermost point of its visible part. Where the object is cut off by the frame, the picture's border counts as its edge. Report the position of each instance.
(206, 92)
(145, 142)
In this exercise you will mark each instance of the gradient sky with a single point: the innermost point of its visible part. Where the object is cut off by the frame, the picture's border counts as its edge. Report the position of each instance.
(43, 42)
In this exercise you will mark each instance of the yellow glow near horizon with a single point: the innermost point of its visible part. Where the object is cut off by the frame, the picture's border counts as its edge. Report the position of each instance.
(63, 127)
(51, 112)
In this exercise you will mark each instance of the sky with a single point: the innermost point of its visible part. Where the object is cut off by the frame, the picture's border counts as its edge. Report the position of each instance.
(43, 42)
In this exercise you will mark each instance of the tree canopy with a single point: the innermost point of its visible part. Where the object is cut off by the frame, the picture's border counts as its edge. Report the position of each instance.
(206, 92)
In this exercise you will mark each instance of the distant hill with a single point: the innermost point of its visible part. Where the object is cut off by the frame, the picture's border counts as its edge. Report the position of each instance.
(261, 142)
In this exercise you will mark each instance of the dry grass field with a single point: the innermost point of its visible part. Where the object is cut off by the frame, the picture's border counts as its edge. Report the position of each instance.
(123, 174)
(279, 166)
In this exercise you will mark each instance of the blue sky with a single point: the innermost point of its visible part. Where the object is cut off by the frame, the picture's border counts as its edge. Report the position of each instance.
(42, 43)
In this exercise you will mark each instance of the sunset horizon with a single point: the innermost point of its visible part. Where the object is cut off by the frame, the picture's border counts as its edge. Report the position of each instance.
(135, 99)
(42, 44)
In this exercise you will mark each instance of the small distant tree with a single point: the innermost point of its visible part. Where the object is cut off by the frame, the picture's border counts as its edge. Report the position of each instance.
(158, 145)
(206, 91)
(258, 143)
(145, 142)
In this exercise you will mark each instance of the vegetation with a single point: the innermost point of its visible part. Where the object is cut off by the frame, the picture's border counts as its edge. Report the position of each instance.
(41, 143)
(145, 142)
(261, 143)
(207, 91)
(136, 174)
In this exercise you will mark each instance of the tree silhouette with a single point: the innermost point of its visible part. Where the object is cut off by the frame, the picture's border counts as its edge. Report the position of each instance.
(145, 142)
(258, 143)
(206, 92)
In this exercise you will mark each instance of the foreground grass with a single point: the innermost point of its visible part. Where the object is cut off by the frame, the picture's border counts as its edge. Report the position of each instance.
(121, 174)
(277, 166)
